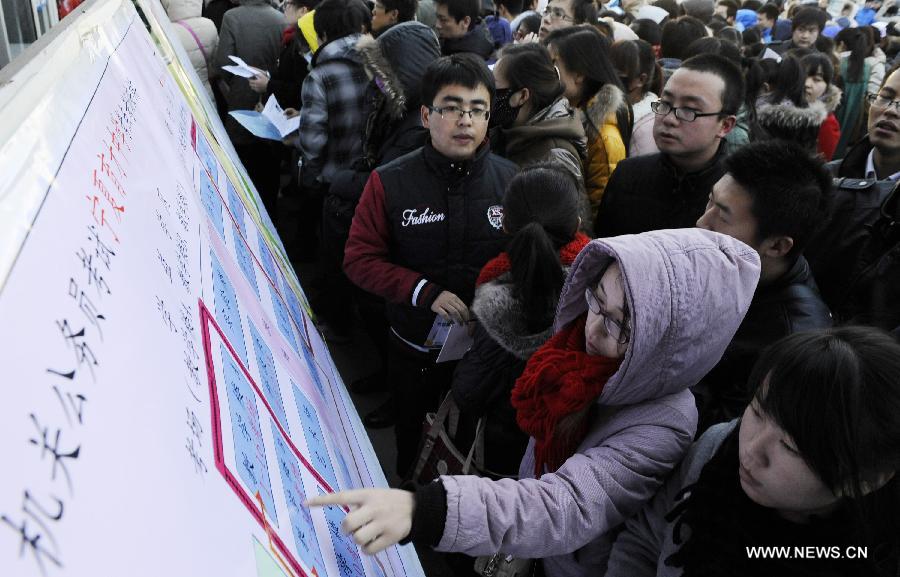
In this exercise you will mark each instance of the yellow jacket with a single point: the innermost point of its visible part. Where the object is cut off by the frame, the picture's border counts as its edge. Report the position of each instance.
(605, 144)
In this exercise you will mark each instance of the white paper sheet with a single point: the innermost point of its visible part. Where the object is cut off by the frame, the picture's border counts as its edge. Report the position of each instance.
(457, 344)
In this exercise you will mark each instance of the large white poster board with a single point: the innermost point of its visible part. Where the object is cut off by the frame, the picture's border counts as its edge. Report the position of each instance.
(168, 403)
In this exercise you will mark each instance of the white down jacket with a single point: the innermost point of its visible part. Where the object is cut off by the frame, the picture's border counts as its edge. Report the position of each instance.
(198, 35)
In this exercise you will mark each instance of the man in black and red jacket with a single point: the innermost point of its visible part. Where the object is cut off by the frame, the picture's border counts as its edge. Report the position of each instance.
(425, 225)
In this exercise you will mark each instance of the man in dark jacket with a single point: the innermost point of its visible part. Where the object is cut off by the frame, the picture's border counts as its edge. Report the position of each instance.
(669, 189)
(459, 26)
(856, 257)
(425, 225)
(252, 32)
(397, 61)
(806, 25)
(773, 197)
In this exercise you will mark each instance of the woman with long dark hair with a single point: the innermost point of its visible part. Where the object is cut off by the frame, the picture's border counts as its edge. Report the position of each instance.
(531, 117)
(581, 54)
(811, 466)
(641, 75)
(820, 87)
(514, 305)
(785, 112)
(860, 73)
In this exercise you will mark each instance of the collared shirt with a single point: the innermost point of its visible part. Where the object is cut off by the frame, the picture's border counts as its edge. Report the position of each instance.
(870, 168)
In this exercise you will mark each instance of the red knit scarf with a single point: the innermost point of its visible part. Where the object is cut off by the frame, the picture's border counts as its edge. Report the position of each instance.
(560, 379)
(500, 264)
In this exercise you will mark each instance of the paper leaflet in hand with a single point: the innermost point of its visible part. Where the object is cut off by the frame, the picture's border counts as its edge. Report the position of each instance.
(438, 333)
(450, 337)
(270, 123)
(241, 68)
(457, 343)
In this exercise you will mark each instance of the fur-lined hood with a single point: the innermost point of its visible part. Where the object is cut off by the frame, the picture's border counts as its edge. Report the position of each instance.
(397, 60)
(380, 70)
(787, 116)
(832, 98)
(501, 315)
(601, 109)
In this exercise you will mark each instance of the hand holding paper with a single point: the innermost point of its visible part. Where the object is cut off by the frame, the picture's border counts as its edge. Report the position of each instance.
(241, 68)
(378, 518)
(272, 123)
(450, 306)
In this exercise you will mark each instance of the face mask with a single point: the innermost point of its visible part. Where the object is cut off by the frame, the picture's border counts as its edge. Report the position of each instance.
(503, 114)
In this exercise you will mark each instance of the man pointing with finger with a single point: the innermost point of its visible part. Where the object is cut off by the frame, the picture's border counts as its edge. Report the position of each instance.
(425, 225)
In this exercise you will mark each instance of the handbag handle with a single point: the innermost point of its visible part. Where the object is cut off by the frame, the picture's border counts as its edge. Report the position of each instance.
(476, 451)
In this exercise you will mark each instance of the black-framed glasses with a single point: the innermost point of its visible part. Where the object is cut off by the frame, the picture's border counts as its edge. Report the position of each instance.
(457, 113)
(879, 101)
(557, 14)
(662, 108)
(618, 331)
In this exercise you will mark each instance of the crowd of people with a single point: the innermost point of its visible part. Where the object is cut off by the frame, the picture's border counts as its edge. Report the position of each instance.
(716, 370)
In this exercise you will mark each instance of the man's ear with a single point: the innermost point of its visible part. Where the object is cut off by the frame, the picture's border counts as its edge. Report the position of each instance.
(727, 124)
(466, 21)
(394, 16)
(424, 110)
(302, 11)
(776, 246)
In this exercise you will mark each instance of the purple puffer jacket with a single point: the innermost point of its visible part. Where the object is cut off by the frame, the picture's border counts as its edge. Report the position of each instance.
(688, 291)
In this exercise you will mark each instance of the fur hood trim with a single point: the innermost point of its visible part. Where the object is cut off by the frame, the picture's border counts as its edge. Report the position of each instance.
(832, 98)
(501, 315)
(788, 116)
(380, 70)
(600, 108)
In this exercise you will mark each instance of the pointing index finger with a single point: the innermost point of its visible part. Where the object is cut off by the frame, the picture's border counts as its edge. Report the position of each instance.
(339, 498)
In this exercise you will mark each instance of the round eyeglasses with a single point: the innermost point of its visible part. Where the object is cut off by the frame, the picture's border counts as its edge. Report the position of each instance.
(618, 331)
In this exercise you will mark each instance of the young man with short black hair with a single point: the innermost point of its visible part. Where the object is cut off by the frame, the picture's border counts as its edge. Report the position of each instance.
(806, 25)
(458, 25)
(773, 197)
(727, 10)
(669, 189)
(514, 11)
(773, 29)
(425, 225)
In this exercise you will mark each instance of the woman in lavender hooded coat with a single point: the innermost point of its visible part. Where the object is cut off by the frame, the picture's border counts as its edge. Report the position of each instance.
(687, 291)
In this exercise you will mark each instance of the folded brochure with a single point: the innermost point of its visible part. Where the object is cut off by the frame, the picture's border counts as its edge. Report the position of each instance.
(241, 68)
(270, 123)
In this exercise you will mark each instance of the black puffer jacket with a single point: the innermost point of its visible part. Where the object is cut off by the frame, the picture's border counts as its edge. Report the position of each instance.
(856, 256)
(785, 306)
(425, 224)
(649, 193)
